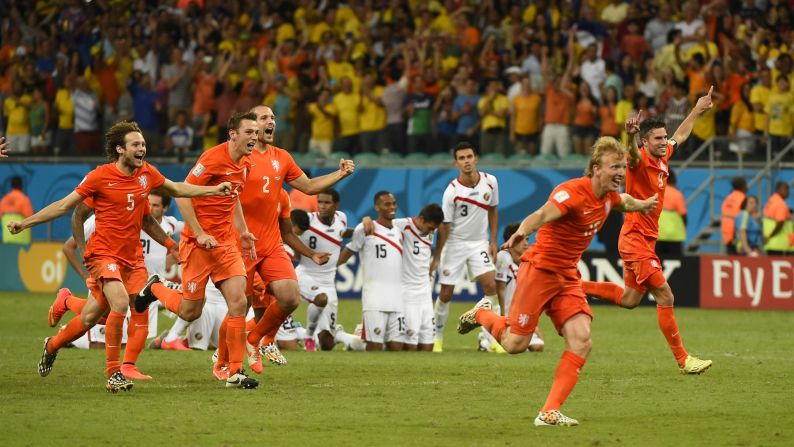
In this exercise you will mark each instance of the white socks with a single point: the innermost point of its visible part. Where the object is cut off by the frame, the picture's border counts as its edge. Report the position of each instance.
(441, 310)
(176, 330)
(350, 341)
(312, 316)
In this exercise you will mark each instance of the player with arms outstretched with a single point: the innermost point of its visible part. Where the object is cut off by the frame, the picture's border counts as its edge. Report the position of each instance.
(548, 279)
(119, 191)
(467, 238)
(642, 270)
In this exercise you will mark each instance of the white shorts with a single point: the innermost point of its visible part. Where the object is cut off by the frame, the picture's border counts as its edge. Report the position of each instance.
(459, 255)
(420, 324)
(288, 331)
(97, 333)
(309, 289)
(202, 334)
(380, 327)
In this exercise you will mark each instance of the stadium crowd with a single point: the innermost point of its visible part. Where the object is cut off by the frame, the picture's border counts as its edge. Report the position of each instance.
(543, 76)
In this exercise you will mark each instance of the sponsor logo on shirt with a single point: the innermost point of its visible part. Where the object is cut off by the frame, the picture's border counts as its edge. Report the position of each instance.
(561, 196)
(198, 169)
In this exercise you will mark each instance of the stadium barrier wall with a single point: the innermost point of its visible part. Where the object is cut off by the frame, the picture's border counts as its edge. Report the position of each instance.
(521, 191)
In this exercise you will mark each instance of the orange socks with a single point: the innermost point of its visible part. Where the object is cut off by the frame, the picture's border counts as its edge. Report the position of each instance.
(75, 304)
(669, 328)
(170, 298)
(71, 332)
(492, 322)
(113, 331)
(223, 347)
(605, 291)
(235, 340)
(137, 331)
(564, 380)
(270, 321)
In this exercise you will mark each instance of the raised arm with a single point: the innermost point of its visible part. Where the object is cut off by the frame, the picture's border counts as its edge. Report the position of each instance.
(532, 223)
(703, 104)
(629, 204)
(632, 126)
(50, 212)
(319, 184)
(184, 189)
(289, 238)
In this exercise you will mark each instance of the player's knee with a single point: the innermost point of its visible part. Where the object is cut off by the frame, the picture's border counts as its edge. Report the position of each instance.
(581, 346)
(190, 314)
(629, 304)
(321, 300)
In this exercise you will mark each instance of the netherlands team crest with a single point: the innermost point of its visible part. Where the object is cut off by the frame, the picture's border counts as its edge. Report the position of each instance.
(143, 181)
(276, 165)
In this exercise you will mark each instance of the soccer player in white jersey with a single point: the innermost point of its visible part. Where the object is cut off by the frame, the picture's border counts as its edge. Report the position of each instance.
(507, 261)
(417, 278)
(326, 229)
(380, 258)
(467, 238)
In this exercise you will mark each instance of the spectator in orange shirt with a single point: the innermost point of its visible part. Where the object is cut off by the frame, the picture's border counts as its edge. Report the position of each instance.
(731, 207)
(16, 201)
(559, 102)
(672, 222)
(584, 121)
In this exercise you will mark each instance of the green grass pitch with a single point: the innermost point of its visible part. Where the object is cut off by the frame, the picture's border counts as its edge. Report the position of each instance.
(630, 392)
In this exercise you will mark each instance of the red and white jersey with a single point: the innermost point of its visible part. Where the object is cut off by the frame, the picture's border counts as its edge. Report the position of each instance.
(153, 253)
(380, 258)
(506, 271)
(466, 209)
(417, 254)
(324, 239)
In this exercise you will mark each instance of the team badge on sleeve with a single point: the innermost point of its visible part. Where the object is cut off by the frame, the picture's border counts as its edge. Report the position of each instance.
(198, 169)
(561, 196)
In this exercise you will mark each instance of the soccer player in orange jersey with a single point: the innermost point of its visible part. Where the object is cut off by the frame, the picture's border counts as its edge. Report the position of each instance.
(120, 192)
(271, 166)
(548, 279)
(210, 246)
(642, 270)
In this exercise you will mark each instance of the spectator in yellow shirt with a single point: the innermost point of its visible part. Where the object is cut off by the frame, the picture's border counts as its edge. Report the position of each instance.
(742, 123)
(525, 119)
(779, 110)
(493, 108)
(323, 115)
(347, 108)
(16, 108)
(373, 114)
(759, 95)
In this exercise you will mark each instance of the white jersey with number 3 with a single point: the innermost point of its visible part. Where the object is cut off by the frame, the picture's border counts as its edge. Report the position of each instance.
(417, 254)
(381, 260)
(466, 209)
(153, 253)
(323, 238)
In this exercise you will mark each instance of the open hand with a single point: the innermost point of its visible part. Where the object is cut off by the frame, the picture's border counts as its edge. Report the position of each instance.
(513, 241)
(247, 243)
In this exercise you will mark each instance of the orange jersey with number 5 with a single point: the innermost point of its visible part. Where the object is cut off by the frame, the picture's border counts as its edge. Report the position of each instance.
(649, 177)
(262, 198)
(559, 244)
(120, 202)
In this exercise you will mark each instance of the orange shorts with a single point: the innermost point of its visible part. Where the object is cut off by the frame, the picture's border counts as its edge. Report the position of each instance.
(538, 290)
(108, 269)
(276, 266)
(260, 298)
(642, 269)
(199, 264)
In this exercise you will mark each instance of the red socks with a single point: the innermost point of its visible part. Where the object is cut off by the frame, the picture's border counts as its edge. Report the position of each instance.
(114, 327)
(235, 341)
(270, 322)
(564, 380)
(492, 322)
(137, 331)
(605, 291)
(170, 298)
(669, 328)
